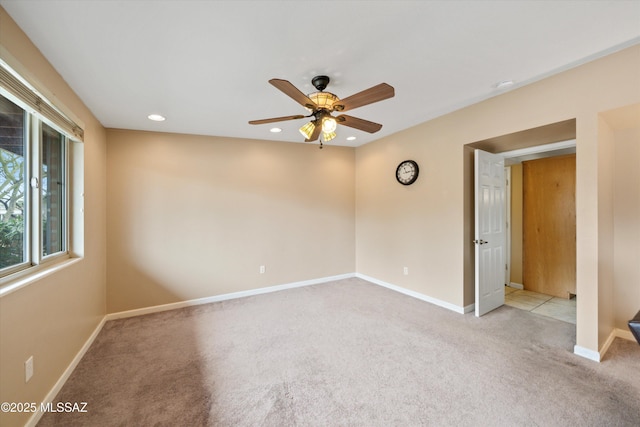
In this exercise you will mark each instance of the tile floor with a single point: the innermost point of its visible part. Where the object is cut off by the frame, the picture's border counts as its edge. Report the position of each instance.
(545, 305)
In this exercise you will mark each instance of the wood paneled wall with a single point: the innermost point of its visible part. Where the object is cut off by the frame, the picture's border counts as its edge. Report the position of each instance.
(549, 225)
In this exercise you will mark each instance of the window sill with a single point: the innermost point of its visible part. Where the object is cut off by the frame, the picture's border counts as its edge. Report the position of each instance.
(24, 278)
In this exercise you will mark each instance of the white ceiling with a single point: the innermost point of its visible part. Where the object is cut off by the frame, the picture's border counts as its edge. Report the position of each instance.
(205, 65)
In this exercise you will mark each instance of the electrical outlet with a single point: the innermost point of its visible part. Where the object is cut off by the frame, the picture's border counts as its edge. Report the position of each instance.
(263, 269)
(28, 369)
(406, 271)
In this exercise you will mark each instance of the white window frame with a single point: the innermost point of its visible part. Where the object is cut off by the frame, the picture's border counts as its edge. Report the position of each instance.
(39, 110)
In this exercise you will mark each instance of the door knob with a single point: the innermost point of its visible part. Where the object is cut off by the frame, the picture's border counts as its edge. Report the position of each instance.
(480, 242)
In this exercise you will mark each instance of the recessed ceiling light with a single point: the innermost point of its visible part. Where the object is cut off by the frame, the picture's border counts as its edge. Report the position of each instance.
(275, 130)
(156, 117)
(351, 138)
(503, 84)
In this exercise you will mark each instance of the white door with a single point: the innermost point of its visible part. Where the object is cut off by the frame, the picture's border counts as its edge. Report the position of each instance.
(489, 231)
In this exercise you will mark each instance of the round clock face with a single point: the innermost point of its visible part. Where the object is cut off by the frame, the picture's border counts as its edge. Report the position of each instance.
(407, 172)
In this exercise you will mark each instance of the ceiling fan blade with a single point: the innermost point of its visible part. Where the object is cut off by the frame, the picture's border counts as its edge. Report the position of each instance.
(366, 97)
(357, 123)
(276, 119)
(290, 90)
(316, 133)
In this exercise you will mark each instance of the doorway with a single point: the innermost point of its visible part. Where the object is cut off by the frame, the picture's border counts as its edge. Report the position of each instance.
(541, 217)
(544, 135)
(541, 277)
(542, 226)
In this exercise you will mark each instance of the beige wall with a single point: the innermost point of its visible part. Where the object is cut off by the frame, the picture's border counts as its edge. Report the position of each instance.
(51, 318)
(606, 143)
(619, 155)
(417, 226)
(192, 216)
(625, 126)
(427, 226)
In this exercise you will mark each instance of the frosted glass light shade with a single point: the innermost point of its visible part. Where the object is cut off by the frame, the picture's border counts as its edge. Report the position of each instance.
(329, 124)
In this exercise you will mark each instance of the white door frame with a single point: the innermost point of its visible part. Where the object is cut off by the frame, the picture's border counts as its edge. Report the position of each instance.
(507, 217)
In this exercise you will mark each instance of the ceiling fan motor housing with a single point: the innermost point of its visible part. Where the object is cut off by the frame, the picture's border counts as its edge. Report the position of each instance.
(320, 82)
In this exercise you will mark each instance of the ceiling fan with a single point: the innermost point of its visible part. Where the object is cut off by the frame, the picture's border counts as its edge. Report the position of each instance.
(321, 104)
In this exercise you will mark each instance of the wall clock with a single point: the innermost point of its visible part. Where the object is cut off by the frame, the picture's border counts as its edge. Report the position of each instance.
(407, 172)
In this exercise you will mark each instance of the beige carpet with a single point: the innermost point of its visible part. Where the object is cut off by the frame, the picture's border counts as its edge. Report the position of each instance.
(347, 353)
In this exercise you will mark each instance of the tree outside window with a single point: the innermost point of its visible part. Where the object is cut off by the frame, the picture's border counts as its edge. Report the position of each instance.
(12, 184)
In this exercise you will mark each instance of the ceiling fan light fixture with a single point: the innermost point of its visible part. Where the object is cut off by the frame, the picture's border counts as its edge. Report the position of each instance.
(324, 100)
(307, 130)
(329, 124)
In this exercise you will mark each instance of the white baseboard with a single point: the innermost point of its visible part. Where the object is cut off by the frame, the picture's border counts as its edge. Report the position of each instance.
(599, 355)
(418, 295)
(223, 297)
(66, 374)
(516, 285)
(586, 353)
(251, 292)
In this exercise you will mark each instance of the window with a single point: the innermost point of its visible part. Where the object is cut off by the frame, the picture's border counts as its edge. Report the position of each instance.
(35, 142)
(33, 220)
(54, 224)
(13, 248)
